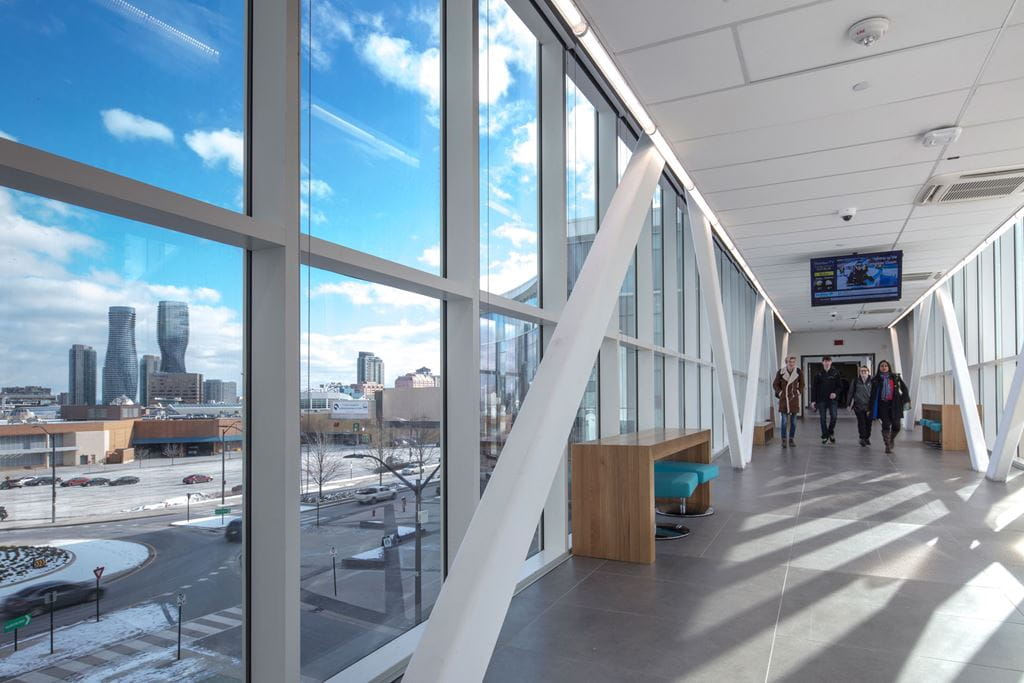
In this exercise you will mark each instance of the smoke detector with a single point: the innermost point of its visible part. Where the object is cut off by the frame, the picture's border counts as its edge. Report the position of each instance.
(941, 136)
(867, 32)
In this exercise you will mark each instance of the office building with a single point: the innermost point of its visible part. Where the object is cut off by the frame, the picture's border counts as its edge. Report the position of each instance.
(175, 387)
(369, 369)
(82, 375)
(172, 335)
(30, 396)
(608, 229)
(148, 364)
(120, 367)
(219, 391)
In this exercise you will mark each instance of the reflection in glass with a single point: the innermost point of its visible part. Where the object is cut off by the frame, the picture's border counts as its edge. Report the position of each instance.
(371, 115)
(658, 268)
(151, 90)
(370, 466)
(659, 391)
(509, 202)
(82, 289)
(587, 424)
(627, 389)
(580, 178)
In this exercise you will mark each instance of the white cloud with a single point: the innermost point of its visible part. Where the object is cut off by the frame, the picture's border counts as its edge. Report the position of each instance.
(397, 61)
(216, 146)
(516, 234)
(316, 188)
(364, 139)
(503, 210)
(510, 273)
(403, 344)
(508, 44)
(372, 294)
(524, 149)
(431, 256)
(330, 27)
(8, 136)
(125, 125)
(580, 147)
(23, 239)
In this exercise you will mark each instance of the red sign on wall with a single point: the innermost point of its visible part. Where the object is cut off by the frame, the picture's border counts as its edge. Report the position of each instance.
(837, 342)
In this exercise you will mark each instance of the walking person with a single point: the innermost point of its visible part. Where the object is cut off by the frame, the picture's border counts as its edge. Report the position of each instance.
(788, 387)
(826, 392)
(889, 400)
(860, 402)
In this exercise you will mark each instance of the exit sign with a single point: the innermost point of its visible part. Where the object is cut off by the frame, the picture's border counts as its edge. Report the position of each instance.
(837, 342)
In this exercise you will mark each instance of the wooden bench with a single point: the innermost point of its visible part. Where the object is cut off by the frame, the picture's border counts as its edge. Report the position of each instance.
(950, 435)
(763, 433)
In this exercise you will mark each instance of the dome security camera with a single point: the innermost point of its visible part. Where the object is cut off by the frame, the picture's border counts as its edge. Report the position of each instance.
(847, 214)
(833, 315)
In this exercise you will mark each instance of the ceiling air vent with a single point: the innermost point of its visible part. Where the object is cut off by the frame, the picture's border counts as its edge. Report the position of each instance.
(911, 277)
(966, 187)
(881, 311)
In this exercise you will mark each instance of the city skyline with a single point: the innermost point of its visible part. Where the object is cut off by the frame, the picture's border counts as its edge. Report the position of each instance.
(172, 335)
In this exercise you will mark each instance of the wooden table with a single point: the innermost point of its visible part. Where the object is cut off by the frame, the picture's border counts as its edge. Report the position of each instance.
(953, 436)
(613, 490)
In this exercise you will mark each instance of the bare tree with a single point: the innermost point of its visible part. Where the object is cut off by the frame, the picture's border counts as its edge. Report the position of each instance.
(380, 446)
(171, 450)
(318, 463)
(421, 440)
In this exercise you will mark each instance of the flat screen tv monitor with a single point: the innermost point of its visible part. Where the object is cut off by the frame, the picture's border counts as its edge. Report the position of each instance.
(857, 278)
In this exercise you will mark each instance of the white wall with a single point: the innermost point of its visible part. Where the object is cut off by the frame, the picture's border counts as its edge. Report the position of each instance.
(856, 342)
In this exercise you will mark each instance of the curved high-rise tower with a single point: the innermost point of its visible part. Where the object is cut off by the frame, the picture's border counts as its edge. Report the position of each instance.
(172, 335)
(120, 368)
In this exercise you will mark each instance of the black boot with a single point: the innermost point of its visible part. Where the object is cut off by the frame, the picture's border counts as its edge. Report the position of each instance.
(887, 438)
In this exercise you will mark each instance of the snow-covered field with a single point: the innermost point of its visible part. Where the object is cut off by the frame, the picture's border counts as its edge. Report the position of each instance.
(214, 522)
(160, 486)
(114, 556)
(85, 637)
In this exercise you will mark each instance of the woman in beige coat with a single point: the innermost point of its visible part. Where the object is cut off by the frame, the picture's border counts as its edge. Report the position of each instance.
(789, 388)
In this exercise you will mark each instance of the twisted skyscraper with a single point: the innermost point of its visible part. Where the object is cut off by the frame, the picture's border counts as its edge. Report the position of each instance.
(172, 335)
(120, 368)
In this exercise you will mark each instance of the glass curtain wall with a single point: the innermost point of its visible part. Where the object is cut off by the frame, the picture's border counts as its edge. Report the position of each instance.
(988, 297)
(580, 177)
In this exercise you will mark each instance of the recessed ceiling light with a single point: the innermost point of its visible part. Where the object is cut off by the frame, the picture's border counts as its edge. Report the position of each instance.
(863, 85)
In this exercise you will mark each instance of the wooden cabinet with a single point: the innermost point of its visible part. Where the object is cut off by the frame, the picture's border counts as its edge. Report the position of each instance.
(953, 437)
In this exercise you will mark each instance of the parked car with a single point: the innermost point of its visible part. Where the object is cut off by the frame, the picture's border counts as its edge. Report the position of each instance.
(197, 479)
(411, 471)
(44, 481)
(122, 481)
(236, 489)
(29, 481)
(75, 481)
(12, 483)
(372, 494)
(233, 533)
(97, 481)
(32, 600)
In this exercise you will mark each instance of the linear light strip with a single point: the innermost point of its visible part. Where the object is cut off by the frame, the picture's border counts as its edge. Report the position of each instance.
(578, 25)
(1010, 222)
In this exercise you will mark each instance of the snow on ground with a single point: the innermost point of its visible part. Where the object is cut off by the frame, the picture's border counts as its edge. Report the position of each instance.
(159, 665)
(83, 638)
(207, 522)
(16, 562)
(114, 556)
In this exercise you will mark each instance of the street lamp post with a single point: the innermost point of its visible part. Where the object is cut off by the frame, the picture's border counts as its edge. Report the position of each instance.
(417, 489)
(53, 475)
(223, 450)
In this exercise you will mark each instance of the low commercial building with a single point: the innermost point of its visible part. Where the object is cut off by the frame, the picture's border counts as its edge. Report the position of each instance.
(178, 387)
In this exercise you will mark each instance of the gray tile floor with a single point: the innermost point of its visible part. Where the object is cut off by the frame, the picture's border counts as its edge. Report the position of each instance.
(822, 564)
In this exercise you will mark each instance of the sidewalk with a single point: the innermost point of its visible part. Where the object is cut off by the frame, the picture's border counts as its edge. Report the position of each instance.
(158, 648)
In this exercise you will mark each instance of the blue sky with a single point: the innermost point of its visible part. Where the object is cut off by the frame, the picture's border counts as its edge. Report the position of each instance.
(153, 89)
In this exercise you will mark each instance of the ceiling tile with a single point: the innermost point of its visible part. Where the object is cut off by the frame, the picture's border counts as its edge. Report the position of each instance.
(626, 25)
(818, 31)
(815, 164)
(654, 71)
(950, 65)
(989, 137)
(995, 102)
(887, 121)
(873, 199)
(863, 218)
(1007, 61)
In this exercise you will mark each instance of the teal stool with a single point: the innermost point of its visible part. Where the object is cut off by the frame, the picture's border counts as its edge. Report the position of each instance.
(679, 485)
(704, 472)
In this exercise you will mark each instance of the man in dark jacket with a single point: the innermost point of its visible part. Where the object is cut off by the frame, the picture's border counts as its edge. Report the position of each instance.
(826, 392)
(860, 401)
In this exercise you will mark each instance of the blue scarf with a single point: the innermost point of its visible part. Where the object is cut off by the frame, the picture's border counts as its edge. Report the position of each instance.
(887, 387)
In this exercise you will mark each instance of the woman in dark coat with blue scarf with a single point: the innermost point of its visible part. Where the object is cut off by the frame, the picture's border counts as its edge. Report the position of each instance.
(889, 399)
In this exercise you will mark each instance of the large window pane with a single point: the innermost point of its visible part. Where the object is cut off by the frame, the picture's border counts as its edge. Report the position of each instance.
(627, 389)
(95, 306)
(371, 127)
(370, 463)
(580, 177)
(509, 202)
(509, 356)
(659, 391)
(153, 90)
(658, 268)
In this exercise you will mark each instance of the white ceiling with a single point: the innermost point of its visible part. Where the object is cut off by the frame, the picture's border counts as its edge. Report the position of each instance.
(756, 97)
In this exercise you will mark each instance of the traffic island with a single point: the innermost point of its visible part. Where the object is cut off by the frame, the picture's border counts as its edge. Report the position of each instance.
(19, 563)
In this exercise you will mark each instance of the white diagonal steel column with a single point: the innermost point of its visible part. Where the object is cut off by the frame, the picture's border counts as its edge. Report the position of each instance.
(973, 430)
(710, 285)
(1011, 426)
(753, 375)
(460, 635)
(897, 359)
(922, 322)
